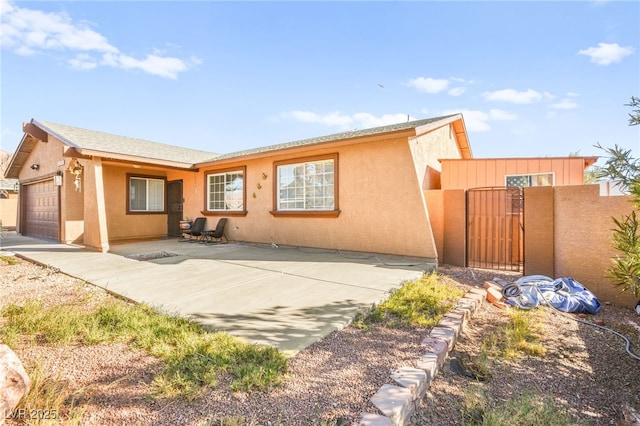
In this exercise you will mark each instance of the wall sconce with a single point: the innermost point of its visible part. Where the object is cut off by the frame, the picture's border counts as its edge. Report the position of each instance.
(264, 176)
(258, 185)
(57, 178)
(35, 166)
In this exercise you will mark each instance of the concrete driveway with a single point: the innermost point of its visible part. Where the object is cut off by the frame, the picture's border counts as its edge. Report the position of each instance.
(285, 297)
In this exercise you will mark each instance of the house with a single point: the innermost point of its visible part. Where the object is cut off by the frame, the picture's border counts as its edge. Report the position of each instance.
(360, 190)
(410, 189)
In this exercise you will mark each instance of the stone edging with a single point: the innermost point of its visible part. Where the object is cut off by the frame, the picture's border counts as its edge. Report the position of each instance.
(399, 402)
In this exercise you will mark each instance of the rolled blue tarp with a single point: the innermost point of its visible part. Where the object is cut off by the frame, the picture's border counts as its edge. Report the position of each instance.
(564, 294)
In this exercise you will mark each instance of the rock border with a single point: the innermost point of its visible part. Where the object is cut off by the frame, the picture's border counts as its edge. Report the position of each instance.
(398, 402)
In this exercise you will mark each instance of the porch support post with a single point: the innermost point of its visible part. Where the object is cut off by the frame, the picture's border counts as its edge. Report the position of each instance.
(96, 234)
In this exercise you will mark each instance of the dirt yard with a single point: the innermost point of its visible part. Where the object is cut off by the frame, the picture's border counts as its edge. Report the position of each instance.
(585, 370)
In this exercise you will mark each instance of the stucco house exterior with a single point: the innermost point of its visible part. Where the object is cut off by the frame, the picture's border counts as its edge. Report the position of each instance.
(361, 190)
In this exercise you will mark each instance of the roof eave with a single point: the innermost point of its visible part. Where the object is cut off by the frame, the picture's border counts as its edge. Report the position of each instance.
(301, 148)
(19, 157)
(87, 153)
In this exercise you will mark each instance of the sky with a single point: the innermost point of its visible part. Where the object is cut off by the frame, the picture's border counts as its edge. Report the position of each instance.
(532, 79)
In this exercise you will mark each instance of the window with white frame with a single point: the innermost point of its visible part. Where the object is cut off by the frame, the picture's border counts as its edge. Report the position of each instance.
(535, 179)
(146, 194)
(225, 191)
(307, 186)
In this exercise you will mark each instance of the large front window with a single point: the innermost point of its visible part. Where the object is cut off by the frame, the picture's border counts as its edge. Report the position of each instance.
(225, 191)
(307, 185)
(146, 195)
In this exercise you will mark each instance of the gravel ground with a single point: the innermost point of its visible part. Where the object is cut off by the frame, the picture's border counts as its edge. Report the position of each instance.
(585, 370)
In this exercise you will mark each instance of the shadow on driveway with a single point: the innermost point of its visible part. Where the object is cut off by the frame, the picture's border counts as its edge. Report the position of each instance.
(285, 297)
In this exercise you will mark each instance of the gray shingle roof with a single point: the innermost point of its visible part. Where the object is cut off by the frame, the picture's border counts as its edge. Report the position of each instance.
(333, 137)
(123, 145)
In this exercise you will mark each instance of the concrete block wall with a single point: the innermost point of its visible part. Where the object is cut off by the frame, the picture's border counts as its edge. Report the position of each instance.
(576, 239)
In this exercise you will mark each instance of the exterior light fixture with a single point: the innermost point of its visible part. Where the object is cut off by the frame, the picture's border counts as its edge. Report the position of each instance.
(57, 178)
(35, 166)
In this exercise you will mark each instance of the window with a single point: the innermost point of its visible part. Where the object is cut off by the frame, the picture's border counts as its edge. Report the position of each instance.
(523, 181)
(146, 195)
(309, 185)
(225, 191)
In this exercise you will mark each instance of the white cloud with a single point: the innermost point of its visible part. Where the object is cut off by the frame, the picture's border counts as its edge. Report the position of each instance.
(478, 121)
(82, 62)
(513, 96)
(30, 32)
(360, 120)
(565, 104)
(457, 91)
(607, 53)
(429, 85)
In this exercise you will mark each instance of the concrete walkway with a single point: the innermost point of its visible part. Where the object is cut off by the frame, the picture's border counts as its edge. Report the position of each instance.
(280, 296)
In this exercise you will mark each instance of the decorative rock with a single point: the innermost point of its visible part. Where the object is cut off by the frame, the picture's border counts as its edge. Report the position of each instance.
(414, 379)
(367, 419)
(454, 324)
(429, 363)
(444, 333)
(494, 296)
(478, 291)
(394, 402)
(475, 299)
(14, 381)
(437, 347)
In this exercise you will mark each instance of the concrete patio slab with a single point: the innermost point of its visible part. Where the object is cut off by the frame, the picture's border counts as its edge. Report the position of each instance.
(285, 297)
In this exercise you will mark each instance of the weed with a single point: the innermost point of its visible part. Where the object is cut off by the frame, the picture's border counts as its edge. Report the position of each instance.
(49, 400)
(527, 409)
(519, 336)
(193, 357)
(418, 303)
(9, 260)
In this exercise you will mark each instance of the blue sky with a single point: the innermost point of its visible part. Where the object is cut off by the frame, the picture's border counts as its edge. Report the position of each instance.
(531, 78)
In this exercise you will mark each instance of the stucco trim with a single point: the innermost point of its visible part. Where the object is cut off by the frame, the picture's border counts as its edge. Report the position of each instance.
(240, 213)
(305, 213)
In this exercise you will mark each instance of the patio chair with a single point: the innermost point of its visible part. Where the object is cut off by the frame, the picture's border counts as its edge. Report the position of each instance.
(217, 235)
(195, 233)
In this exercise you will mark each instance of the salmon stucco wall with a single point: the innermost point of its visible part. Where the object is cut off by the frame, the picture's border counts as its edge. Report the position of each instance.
(9, 211)
(538, 231)
(435, 206)
(428, 149)
(381, 203)
(583, 249)
(120, 225)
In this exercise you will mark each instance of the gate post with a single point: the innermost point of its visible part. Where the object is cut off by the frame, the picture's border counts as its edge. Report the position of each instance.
(539, 224)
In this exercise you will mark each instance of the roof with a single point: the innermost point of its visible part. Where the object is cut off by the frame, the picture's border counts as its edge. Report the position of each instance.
(107, 145)
(92, 140)
(95, 143)
(409, 125)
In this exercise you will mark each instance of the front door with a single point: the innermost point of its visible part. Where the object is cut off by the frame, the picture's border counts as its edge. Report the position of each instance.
(174, 198)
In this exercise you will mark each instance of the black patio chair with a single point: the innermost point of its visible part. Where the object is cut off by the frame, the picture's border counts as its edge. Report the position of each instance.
(217, 235)
(196, 231)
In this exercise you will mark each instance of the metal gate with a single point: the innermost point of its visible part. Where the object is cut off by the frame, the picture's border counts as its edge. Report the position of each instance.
(495, 228)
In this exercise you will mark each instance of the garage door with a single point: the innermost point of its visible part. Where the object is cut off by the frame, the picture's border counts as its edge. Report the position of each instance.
(42, 210)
